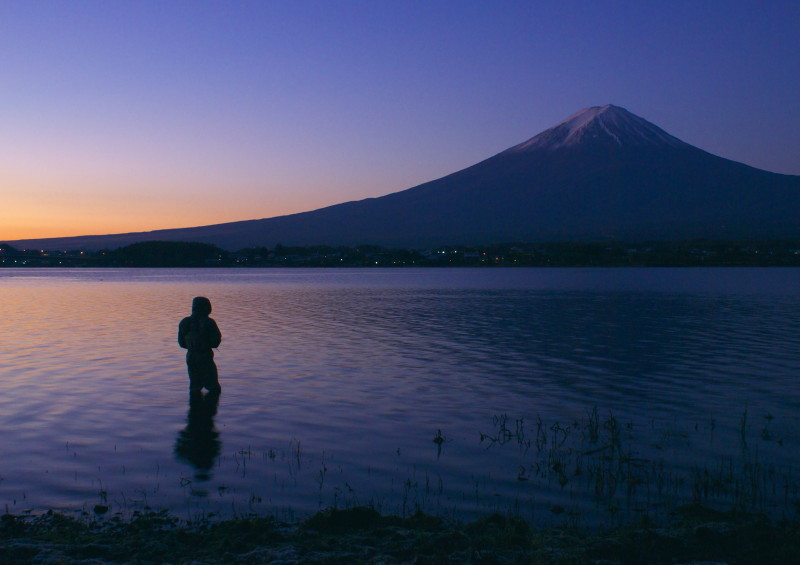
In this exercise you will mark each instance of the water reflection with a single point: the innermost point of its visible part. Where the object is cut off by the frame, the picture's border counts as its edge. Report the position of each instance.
(198, 443)
(360, 369)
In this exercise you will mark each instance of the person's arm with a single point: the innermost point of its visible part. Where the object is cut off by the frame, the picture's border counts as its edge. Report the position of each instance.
(182, 334)
(215, 335)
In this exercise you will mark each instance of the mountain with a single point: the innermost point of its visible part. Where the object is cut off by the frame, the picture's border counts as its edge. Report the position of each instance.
(603, 173)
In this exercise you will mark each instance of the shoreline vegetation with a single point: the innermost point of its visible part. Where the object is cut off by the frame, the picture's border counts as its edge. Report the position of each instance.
(688, 253)
(718, 516)
(695, 534)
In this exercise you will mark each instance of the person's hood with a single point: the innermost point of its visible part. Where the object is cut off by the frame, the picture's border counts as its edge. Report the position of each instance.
(201, 306)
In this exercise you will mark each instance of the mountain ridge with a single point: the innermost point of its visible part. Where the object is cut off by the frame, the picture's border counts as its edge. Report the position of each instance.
(603, 173)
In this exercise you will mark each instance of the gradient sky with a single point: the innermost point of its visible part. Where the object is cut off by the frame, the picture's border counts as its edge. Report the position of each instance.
(132, 116)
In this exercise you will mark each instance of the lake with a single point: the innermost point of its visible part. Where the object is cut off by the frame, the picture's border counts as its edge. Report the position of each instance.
(561, 395)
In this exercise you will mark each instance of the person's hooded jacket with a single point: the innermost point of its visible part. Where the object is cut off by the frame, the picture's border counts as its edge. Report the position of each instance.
(199, 333)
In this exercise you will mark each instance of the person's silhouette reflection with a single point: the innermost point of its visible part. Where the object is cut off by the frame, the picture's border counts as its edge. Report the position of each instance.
(198, 443)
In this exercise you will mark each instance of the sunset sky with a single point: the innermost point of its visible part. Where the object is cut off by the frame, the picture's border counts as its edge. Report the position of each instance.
(140, 115)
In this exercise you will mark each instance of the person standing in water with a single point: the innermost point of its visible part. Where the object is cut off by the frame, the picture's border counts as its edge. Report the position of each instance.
(199, 334)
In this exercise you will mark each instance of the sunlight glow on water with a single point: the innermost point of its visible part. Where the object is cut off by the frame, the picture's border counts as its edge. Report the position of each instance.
(336, 382)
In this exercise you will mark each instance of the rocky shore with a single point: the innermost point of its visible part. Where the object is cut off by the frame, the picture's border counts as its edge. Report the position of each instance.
(360, 535)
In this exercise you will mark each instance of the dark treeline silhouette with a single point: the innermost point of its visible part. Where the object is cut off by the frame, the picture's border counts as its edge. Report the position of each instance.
(687, 253)
(163, 254)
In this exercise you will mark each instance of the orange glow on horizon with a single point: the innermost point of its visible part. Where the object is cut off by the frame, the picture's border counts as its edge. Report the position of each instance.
(55, 206)
(54, 227)
(32, 210)
(41, 212)
(102, 221)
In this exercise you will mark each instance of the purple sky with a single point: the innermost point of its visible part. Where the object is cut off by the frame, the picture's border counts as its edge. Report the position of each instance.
(130, 116)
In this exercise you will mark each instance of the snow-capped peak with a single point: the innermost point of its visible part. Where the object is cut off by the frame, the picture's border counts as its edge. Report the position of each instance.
(609, 123)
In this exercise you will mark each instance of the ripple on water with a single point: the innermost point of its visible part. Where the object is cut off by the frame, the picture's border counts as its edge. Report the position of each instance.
(336, 382)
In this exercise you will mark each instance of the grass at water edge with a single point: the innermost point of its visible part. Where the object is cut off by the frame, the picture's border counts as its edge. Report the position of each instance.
(695, 533)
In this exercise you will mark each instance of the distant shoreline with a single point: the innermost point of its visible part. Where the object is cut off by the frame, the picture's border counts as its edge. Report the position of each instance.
(689, 253)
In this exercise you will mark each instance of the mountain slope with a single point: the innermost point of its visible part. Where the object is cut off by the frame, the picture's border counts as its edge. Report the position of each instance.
(602, 173)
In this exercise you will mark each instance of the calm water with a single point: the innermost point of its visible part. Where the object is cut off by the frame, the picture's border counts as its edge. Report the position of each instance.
(557, 394)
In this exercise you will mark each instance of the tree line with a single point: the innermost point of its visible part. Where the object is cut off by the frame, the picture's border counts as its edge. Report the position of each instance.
(688, 253)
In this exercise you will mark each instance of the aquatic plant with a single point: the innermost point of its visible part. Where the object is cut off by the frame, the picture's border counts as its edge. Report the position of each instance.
(601, 458)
